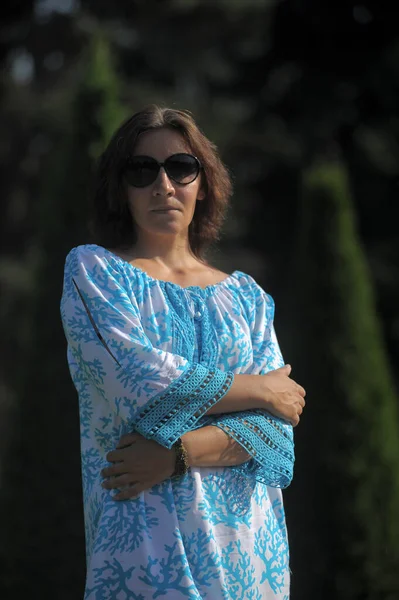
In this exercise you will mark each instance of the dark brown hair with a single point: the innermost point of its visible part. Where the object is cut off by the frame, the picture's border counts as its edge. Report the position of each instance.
(111, 223)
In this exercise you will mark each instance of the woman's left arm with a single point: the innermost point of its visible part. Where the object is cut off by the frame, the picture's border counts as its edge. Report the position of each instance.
(139, 463)
(212, 447)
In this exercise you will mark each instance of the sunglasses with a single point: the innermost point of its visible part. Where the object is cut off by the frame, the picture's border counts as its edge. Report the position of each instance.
(182, 168)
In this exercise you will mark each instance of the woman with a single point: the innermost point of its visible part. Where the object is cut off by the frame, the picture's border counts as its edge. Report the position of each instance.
(186, 408)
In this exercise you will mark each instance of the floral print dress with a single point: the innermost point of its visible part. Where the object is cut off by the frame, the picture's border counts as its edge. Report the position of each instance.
(151, 356)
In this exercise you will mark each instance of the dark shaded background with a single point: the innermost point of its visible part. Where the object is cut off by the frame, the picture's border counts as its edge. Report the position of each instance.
(302, 99)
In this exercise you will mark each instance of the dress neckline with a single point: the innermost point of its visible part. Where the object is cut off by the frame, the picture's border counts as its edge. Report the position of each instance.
(210, 287)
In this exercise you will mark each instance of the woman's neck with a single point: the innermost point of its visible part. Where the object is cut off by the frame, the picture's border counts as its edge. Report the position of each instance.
(166, 253)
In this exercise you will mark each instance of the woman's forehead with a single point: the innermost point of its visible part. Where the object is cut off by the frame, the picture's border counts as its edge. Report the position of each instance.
(160, 143)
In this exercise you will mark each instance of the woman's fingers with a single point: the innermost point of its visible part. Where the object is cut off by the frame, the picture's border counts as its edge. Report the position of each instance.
(118, 481)
(298, 411)
(116, 455)
(116, 469)
(130, 492)
(127, 440)
(301, 390)
(133, 491)
(295, 421)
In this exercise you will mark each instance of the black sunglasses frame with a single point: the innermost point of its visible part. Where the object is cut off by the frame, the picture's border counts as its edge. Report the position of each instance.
(163, 164)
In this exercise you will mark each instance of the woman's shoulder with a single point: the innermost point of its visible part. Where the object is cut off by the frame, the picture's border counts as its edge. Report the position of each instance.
(95, 261)
(252, 296)
(243, 278)
(92, 254)
(247, 284)
(88, 250)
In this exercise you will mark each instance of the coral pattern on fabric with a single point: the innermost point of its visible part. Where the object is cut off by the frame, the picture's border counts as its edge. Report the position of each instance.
(151, 356)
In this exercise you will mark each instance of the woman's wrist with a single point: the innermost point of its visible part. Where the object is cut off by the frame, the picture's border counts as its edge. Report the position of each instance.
(181, 459)
(259, 395)
(191, 446)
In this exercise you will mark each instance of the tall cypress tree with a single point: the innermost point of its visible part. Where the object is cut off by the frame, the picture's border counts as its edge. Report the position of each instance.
(343, 503)
(43, 541)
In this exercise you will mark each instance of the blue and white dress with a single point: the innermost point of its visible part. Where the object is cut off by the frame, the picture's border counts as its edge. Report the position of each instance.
(151, 356)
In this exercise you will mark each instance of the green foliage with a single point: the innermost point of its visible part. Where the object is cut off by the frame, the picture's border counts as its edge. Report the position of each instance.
(352, 418)
(101, 84)
(48, 411)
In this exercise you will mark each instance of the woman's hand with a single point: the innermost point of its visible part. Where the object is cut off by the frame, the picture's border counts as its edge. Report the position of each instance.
(139, 464)
(285, 397)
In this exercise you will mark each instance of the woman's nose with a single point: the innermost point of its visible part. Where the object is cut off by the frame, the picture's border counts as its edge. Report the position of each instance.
(163, 184)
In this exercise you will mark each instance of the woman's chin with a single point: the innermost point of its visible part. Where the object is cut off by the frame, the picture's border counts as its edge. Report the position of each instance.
(168, 227)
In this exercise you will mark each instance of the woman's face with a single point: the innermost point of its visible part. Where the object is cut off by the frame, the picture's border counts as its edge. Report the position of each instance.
(163, 207)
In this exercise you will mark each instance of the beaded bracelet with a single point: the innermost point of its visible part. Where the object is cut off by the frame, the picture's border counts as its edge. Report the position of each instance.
(181, 464)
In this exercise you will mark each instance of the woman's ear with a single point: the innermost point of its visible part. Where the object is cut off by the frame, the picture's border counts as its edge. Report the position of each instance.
(201, 194)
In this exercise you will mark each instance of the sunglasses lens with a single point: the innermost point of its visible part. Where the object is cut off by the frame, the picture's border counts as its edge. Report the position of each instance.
(182, 168)
(141, 171)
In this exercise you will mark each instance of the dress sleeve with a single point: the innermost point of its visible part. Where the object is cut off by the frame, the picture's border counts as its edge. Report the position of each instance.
(266, 438)
(159, 394)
